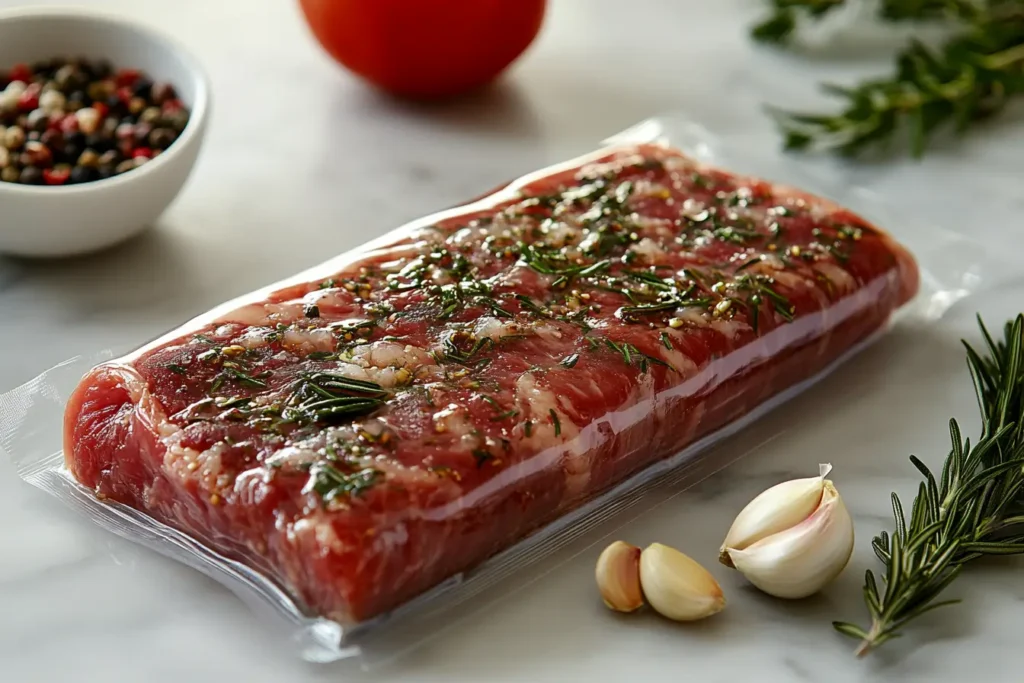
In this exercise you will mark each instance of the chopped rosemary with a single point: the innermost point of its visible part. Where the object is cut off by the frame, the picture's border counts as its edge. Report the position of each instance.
(555, 421)
(176, 369)
(482, 455)
(330, 483)
(570, 361)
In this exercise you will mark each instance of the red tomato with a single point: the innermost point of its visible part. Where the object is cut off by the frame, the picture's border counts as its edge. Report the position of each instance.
(425, 48)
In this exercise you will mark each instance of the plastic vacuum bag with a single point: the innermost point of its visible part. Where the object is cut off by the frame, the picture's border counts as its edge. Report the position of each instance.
(31, 416)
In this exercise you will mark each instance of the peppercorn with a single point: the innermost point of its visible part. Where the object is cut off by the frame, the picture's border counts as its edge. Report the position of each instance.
(150, 115)
(38, 120)
(109, 158)
(98, 142)
(52, 101)
(77, 120)
(30, 175)
(36, 154)
(176, 120)
(161, 92)
(76, 100)
(142, 88)
(83, 174)
(29, 99)
(58, 175)
(53, 139)
(88, 120)
(62, 77)
(14, 138)
(162, 138)
(88, 158)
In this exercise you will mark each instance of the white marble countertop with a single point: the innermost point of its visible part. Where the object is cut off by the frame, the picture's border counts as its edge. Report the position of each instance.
(302, 162)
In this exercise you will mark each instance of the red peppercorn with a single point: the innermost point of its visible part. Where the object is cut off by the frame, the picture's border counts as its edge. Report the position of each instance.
(56, 176)
(56, 119)
(29, 99)
(145, 152)
(102, 109)
(20, 72)
(126, 77)
(69, 124)
(172, 106)
(36, 154)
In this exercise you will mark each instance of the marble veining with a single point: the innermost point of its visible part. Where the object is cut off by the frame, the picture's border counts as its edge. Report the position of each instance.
(302, 163)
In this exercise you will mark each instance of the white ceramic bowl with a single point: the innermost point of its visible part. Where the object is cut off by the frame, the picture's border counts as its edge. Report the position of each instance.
(42, 221)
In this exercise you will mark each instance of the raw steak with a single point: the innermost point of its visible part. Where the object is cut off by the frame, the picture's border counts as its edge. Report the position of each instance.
(404, 412)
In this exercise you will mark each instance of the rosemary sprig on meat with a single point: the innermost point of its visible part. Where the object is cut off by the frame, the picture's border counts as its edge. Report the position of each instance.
(327, 397)
(971, 76)
(975, 508)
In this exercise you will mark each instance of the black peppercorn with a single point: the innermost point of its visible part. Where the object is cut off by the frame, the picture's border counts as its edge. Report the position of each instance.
(83, 174)
(76, 100)
(142, 88)
(115, 106)
(98, 142)
(161, 138)
(30, 175)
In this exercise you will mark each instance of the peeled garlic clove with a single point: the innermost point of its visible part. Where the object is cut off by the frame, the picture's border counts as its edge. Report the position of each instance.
(618, 577)
(677, 586)
(801, 560)
(776, 509)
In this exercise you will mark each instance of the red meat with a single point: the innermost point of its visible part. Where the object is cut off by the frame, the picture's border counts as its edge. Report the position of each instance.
(404, 412)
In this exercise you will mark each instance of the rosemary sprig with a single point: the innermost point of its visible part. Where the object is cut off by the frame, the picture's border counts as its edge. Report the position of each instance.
(327, 397)
(975, 508)
(970, 77)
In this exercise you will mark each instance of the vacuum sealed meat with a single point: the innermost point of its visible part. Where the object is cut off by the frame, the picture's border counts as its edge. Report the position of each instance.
(400, 414)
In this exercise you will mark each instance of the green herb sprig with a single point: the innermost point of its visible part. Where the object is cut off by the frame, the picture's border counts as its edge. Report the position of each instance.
(975, 508)
(970, 77)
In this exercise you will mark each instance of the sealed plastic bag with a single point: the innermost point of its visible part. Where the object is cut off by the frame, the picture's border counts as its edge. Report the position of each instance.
(365, 445)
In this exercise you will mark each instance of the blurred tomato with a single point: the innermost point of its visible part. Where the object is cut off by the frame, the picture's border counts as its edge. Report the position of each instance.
(425, 48)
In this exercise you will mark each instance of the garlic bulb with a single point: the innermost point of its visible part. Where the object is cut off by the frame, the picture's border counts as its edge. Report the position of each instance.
(618, 577)
(677, 586)
(793, 539)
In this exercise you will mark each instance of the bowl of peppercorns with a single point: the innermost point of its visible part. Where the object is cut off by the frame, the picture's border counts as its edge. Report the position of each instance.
(101, 121)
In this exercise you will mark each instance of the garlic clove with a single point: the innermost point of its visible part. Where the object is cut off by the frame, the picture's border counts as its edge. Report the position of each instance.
(803, 559)
(618, 577)
(776, 509)
(677, 586)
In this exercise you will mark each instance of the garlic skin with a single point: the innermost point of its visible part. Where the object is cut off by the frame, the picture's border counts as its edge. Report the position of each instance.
(618, 577)
(800, 560)
(677, 586)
